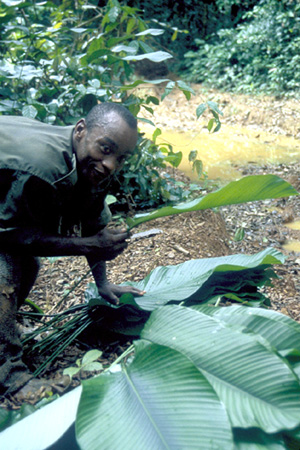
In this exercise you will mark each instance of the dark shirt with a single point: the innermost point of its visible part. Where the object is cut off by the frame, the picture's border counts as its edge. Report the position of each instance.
(39, 186)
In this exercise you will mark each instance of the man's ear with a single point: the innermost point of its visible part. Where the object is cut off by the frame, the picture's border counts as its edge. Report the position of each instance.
(80, 130)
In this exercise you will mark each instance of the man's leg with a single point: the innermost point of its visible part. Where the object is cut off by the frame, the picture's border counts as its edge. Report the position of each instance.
(17, 276)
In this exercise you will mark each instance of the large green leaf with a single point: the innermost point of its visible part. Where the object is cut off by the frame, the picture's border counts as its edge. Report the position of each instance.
(247, 189)
(183, 281)
(159, 401)
(257, 388)
(44, 427)
(196, 381)
(280, 331)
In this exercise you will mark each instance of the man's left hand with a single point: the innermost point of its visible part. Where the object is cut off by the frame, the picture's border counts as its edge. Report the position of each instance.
(111, 292)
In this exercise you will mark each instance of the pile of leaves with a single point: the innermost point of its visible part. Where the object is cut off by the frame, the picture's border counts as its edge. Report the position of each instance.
(234, 278)
(199, 375)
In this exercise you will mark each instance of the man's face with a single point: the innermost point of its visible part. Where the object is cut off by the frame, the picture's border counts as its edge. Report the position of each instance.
(102, 151)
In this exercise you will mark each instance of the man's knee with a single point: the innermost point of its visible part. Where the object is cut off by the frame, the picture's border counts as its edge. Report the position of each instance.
(17, 275)
(30, 269)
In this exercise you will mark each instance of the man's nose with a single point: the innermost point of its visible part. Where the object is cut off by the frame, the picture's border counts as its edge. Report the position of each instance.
(110, 163)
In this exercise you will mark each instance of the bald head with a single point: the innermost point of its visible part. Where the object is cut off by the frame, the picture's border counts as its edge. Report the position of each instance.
(101, 115)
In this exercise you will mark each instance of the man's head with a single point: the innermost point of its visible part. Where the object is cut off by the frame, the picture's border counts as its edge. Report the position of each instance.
(103, 141)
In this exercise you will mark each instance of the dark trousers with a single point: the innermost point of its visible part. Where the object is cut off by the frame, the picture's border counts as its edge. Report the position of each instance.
(17, 276)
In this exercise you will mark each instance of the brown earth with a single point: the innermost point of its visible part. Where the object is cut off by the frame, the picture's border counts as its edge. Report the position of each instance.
(202, 234)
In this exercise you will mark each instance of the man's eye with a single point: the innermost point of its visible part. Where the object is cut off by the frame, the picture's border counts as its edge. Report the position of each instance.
(105, 149)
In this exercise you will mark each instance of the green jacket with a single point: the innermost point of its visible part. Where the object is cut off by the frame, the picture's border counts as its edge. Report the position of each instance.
(39, 185)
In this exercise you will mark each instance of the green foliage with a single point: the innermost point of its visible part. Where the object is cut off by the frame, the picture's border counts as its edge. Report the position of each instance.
(186, 21)
(235, 277)
(143, 181)
(203, 281)
(250, 188)
(223, 377)
(247, 189)
(260, 55)
(88, 363)
(59, 61)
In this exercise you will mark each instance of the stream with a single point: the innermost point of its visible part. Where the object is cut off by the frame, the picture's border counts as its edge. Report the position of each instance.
(224, 154)
(232, 147)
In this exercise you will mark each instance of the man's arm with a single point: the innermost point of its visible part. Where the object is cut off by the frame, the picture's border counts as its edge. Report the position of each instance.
(104, 246)
(109, 291)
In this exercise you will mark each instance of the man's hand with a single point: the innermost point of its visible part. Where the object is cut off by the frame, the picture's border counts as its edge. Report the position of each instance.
(110, 292)
(107, 244)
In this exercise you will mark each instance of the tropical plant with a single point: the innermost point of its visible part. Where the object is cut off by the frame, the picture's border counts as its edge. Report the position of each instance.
(250, 188)
(201, 377)
(88, 363)
(202, 281)
(234, 278)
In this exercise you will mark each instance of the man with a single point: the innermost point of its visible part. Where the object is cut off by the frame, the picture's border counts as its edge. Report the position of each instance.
(51, 180)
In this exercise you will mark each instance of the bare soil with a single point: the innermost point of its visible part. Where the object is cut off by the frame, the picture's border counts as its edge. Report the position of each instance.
(197, 235)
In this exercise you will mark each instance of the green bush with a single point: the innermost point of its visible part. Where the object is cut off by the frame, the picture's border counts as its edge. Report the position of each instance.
(60, 58)
(189, 20)
(260, 55)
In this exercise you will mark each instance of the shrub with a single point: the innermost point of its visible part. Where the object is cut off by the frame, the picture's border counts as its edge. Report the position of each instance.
(259, 55)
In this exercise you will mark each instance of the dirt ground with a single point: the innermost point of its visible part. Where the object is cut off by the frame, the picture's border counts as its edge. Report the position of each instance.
(202, 234)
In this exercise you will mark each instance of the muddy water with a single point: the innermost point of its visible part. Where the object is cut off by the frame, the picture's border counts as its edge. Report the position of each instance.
(222, 152)
(293, 246)
(232, 147)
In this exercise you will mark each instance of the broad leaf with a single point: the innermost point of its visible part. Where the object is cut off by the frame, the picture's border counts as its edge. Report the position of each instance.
(184, 281)
(247, 189)
(29, 111)
(124, 48)
(191, 373)
(257, 388)
(159, 401)
(44, 427)
(91, 356)
(280, 331)
(200, 109)
(153, 56)
(214, 107)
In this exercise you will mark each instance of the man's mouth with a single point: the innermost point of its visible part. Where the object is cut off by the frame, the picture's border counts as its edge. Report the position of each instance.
(98, 176)
(99, 173)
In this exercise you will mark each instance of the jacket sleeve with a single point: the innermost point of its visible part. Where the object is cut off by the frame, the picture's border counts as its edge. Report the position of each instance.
(25, 202)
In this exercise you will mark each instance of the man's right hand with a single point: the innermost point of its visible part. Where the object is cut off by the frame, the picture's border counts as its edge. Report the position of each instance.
(107, 244)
